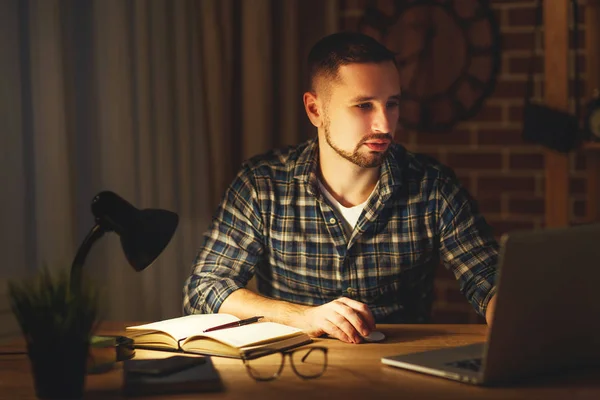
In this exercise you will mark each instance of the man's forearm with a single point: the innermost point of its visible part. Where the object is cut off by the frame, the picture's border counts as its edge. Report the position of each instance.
(244, 303)
(343, 318)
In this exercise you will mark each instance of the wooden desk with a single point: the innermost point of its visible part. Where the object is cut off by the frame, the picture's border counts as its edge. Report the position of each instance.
(354, 372)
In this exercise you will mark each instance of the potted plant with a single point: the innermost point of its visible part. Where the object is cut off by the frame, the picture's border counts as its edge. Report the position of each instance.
(57, 325)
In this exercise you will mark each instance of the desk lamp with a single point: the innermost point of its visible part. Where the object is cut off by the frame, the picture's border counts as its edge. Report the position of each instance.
(144, 233)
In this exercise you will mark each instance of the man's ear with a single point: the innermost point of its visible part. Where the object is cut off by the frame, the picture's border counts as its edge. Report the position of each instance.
(312, 107)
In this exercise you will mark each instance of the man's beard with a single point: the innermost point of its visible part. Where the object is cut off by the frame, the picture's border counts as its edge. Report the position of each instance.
(371, 159)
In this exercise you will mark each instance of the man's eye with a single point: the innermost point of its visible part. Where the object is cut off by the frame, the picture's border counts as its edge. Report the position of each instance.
(393, 104)
(364, 106)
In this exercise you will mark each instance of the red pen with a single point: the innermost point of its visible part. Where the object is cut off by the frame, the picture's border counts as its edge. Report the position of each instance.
(233, 324)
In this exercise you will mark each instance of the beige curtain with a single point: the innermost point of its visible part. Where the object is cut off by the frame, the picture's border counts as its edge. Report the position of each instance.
(156, 100)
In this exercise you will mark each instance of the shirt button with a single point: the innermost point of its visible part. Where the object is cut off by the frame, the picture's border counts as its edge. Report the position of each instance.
(332, 220)
(350, 291)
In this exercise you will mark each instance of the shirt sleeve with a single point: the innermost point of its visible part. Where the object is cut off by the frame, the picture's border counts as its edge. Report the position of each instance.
(233, 245)
(467, 245)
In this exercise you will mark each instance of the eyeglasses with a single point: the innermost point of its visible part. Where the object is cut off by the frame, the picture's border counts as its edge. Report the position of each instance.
(307, 363)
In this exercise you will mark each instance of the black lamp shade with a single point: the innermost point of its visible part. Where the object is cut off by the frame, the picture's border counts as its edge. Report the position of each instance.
(144, 233)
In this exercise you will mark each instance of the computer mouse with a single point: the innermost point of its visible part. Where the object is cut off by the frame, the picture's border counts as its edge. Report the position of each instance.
(374, 336)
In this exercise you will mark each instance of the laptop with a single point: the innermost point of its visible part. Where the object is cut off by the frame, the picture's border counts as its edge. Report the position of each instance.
(547, 316)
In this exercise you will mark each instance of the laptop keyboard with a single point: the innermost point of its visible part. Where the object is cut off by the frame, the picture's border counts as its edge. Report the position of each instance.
(473, 364)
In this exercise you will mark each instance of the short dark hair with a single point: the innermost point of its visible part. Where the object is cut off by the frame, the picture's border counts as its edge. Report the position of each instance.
(342, 48)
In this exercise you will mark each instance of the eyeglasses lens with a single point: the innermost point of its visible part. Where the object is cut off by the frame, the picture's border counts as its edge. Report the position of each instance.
(267, 367)
(309, 362)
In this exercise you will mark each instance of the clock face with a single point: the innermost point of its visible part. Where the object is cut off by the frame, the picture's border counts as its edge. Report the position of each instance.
(448, 56)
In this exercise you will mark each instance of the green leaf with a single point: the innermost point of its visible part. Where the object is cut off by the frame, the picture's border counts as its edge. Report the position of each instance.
(47, 310)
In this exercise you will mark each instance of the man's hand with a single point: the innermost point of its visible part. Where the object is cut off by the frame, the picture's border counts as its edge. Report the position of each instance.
(343, 318)
(489, 313)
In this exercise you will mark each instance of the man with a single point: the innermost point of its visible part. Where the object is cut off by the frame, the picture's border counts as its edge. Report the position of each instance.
(345, 230)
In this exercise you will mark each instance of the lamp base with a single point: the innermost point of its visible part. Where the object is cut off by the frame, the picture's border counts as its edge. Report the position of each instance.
(106, 350)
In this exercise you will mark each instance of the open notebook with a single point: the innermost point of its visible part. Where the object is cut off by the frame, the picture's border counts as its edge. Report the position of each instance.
(186, 334)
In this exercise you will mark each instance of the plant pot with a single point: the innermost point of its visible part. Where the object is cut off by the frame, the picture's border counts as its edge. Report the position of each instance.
(58, 368)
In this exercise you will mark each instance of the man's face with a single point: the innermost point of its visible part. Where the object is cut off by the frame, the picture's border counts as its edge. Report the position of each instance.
(360, 113)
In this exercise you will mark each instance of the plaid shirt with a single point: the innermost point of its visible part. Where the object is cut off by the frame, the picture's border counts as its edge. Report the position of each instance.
(276, 224)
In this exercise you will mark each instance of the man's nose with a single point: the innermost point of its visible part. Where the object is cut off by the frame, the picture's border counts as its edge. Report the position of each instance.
(382, 121)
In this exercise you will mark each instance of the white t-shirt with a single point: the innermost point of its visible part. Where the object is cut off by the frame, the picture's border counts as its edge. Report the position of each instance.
(350, 214)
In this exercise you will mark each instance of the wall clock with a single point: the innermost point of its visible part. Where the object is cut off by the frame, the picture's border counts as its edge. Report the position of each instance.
(448, 55)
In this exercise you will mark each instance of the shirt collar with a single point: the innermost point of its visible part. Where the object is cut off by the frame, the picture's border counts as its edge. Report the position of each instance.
(391, 170)
(307, 161)
(306, 167)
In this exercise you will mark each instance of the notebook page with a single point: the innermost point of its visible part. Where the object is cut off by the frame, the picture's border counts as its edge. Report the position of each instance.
(247, 335)
(188, 325)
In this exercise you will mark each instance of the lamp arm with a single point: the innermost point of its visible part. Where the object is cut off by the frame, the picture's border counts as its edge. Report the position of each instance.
(95, 233)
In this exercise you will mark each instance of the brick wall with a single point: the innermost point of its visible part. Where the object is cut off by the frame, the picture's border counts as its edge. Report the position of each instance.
(503, 173)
